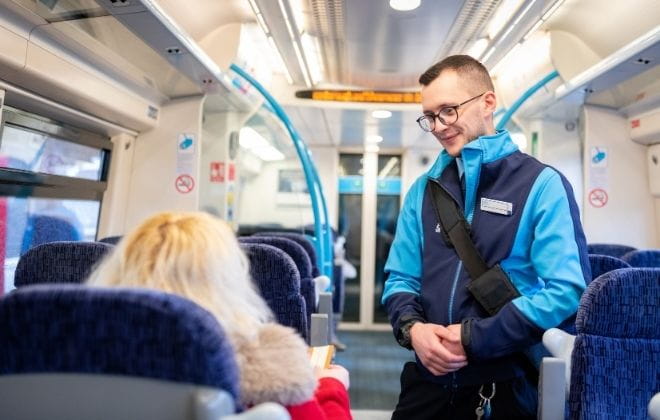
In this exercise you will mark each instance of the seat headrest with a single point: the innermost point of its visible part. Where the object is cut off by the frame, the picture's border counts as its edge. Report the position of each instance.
(59, 262)
(114, 331)
(622, 304)
(293, 249)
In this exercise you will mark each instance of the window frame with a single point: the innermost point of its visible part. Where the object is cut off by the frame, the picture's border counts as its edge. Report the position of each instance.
(25, 183)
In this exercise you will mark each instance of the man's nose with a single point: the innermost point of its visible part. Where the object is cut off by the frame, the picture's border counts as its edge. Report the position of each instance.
(438, 126)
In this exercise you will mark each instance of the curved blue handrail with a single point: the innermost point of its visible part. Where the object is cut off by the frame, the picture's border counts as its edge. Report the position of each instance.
(323, 242)
(524, 97)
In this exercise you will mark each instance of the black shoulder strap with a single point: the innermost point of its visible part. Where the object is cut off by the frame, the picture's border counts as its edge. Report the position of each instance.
(456, 227)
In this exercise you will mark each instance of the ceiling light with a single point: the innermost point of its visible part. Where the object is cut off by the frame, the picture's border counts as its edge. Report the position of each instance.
(312, 54)
(501, 16)
(404, 5)
(478, 48)
(381, 114)
(374, 139)
(251, 140)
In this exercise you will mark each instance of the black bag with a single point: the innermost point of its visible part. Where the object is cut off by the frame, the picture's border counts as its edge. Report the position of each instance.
(491, 287)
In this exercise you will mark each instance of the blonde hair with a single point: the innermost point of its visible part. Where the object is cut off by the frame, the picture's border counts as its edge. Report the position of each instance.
(194, 255)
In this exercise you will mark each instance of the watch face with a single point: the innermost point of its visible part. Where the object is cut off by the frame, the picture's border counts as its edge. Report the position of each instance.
(233, 145)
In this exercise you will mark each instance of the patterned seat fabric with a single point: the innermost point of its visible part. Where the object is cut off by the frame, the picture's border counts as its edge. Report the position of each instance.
(113, 331)
(42, 229)
(59, 262)
(601, 264)
(646, 258)
(616, 358)
(300, 240)
(278, 281)
(300, 257)
(613, 250)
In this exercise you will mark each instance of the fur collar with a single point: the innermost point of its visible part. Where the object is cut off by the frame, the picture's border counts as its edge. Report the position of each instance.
(274, 366)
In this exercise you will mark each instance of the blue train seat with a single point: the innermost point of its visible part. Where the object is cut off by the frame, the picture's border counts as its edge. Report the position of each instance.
(78, 352)
(42, 229)
(59, 262)
(613, 363)
(643, 258)
(300, 240)
(601, 264)
(300, 257)
(278, 281)
(613, 250)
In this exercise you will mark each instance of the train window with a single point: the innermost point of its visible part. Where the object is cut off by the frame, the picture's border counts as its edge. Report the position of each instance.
(52, 179)
(27, 222)
(350, 222)
(272, 189)
(36, 152)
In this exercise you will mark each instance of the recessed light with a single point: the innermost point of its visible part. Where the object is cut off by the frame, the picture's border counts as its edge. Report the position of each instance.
(374, 139)
(381, 113)
(404, 5)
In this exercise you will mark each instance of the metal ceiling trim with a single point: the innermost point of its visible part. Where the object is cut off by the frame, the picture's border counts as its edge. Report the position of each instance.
(469, 24)
(152, 25)
(328, 26)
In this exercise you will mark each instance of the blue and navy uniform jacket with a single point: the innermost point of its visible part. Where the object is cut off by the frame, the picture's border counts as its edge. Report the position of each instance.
(541, 247)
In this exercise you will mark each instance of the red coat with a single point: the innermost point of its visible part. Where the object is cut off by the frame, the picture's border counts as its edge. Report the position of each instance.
(330, 402)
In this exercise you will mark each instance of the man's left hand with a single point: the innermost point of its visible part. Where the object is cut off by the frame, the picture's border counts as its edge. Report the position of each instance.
(453, 342)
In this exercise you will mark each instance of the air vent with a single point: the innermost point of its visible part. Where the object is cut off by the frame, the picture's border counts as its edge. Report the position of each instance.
(174, 50)
(120, 3)
(642, 60)
(207, 81)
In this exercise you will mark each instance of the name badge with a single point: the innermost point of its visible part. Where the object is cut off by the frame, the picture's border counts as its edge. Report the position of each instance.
(496, 206)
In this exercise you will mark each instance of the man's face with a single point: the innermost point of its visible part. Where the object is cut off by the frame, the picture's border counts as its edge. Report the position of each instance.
(474, 118)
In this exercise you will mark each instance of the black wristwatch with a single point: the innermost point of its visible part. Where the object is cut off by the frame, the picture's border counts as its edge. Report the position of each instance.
(403, 337)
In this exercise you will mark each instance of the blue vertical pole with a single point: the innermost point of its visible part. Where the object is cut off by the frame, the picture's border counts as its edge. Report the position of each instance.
(323, 241)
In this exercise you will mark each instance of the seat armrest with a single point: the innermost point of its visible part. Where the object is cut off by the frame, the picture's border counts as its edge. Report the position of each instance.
(319, 334)
(654, 407)
(552, 389)
(560, 345)
(265, 411)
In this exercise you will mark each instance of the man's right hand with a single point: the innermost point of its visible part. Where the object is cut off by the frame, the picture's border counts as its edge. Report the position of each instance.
(426, 340)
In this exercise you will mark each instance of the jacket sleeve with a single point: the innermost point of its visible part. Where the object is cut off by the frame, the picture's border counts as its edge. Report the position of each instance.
(330, 402)
(404, 263)
(557, 251)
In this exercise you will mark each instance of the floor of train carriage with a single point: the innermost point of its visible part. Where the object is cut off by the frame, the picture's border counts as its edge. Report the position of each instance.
(374, 361)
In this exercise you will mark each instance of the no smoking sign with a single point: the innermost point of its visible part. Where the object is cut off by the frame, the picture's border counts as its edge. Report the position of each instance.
(184, 184)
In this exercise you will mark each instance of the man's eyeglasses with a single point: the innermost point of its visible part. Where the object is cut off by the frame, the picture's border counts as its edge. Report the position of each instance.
(447, 115)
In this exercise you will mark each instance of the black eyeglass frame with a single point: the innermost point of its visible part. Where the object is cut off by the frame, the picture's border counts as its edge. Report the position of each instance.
(442, 120)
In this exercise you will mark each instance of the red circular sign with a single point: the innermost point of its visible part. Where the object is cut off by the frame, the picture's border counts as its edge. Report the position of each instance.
(598, 198)
(184, 184)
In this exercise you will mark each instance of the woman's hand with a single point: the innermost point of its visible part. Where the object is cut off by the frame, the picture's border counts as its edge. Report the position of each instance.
(335, 371)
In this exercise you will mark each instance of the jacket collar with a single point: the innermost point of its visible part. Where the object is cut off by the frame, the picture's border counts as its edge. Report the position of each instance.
(483, 149)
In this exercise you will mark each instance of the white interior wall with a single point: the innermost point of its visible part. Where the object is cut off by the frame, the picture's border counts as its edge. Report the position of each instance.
(157, 163)
(115, 198)
(415, 162)
(561, 148)
(628, 217)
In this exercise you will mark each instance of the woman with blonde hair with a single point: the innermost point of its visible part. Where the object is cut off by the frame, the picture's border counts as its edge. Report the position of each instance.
(197, 256)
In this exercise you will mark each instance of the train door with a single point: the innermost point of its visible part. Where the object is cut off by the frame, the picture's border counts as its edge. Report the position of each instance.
(369, 200)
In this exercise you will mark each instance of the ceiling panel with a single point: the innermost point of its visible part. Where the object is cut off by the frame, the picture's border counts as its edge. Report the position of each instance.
(350, 127)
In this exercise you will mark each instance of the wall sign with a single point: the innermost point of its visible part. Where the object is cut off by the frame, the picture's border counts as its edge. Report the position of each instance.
(217, 174)
(184, 183)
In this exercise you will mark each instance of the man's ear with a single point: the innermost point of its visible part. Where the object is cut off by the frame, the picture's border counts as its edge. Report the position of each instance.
(490, 102)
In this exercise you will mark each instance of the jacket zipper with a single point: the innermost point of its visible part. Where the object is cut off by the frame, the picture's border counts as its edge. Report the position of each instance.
(460, 262)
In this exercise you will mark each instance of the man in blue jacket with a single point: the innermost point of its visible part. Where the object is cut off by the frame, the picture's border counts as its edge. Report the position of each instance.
(522, 215)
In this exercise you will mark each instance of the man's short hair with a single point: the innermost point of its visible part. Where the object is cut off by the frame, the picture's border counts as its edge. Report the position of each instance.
(468, 68)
